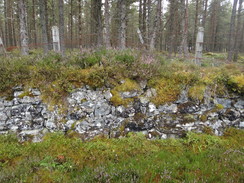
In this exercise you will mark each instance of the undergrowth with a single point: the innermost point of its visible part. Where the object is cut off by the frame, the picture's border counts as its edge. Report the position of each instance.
(56, 77)
(58, 158)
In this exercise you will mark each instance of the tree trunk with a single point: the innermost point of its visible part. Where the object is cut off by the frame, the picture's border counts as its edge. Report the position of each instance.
(238, 32)
(80, 23)
(184, 42)
(122, 28)
(195, 23)
(144, 18)
(205, 13)
(49, 42)
(34, 23)
(61, 26)
(140, 15)
(231, 40)
(23, 28)
(156, 25)
(149, 21)
(107, 25)
(71, 23)
(44, 26)
(96, 22)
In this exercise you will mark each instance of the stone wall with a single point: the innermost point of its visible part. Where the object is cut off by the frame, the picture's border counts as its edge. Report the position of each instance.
(90, 113)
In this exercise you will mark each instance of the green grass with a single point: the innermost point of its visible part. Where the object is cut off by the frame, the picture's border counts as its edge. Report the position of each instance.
(58, 158)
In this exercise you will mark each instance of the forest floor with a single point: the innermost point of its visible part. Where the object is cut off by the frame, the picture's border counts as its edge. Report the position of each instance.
(62, 158)
(58, 158)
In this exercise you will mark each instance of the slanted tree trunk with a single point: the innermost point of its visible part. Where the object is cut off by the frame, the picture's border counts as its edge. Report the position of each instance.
(238, 32)
(156, 25)
(231, 41)
(24, 40)
(61, 26)
(184, 42)
(107, 25)
(43, 26)
(122, 27)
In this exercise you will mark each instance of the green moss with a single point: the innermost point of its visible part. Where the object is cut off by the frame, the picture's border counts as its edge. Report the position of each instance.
(197, 92)
(236, 83)
(26, 93)
(188, 118)
(128, 85)
(167, 90)
(219, 106)
(204, 118)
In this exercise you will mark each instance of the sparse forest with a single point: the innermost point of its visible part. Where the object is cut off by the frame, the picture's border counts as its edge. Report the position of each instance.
(117, 91)
(161, 25)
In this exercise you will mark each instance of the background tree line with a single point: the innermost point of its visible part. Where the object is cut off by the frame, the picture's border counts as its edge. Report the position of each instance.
(163, 25)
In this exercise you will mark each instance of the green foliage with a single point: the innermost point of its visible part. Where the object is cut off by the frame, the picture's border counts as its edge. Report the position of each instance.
(125, 58)
(58, 158)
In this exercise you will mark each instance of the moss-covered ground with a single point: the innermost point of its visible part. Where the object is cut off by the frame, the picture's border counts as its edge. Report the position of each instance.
(58, 158)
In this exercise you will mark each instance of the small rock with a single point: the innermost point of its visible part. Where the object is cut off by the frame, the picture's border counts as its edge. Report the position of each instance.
(241, 124)
(151, 107)
(18, 93)
(108, 95)
(3, 116)
(35, 92)
(151, 93)
(225, 102)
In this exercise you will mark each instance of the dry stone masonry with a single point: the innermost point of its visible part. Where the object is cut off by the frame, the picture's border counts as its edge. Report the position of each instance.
(90, 113)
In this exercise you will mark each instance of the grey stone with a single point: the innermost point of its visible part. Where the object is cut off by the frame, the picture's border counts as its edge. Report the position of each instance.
(241, 124)
(3, 116)
(130, 94)
(225, 102)
(18, 93)
(50, 125)
(102, 109)
(78, 96)
(239, 105)
(108, 95)
(1, 105)
(172, 108)
(144, 100)
(8, 103)
(18, 88)
(151, 107)
(70, 123)
(183, 98)
(151, 93)
(35, 92)
(143, 84)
